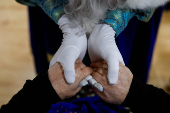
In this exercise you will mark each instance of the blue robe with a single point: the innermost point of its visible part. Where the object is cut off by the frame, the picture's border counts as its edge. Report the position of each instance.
(86, 105)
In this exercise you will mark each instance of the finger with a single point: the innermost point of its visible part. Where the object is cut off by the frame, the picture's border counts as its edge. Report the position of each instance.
(97, 76)
(99, 87)
(69, 70)
(92, 82)
(83, 83)
(113, 70)
(88, 77)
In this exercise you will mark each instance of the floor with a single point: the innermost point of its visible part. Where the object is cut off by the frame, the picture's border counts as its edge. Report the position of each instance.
(16, 63)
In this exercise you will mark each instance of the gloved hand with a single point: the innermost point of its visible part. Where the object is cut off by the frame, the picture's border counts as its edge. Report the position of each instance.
(74, 46)
(102, 45)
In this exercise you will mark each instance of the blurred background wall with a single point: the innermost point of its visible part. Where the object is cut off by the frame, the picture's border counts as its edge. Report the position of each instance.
(16, 62)
(160, 69)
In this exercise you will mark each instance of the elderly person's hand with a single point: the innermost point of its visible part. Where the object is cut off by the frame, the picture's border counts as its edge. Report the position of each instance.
(57, 79)
(114, 94)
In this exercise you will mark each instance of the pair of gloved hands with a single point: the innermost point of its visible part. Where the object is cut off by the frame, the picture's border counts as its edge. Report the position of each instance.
(101, 46)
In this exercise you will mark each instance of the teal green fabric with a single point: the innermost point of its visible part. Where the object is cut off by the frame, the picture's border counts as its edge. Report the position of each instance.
(118, 19)
(27, 2)
(53, 8)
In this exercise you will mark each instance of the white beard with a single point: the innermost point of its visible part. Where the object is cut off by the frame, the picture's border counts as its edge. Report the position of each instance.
(143, 4)
(88, 12)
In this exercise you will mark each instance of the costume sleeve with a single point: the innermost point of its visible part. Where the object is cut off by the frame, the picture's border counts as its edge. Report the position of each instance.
(36, 96)
(118, 19)
(53, 8)
(145, 16)
(27, 2)
(143, 98)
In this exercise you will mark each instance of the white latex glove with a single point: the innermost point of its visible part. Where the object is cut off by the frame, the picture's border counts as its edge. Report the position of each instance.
(102, 45)
(74, 46)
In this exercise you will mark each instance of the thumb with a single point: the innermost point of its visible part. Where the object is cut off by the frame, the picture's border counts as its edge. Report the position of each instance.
(113, 70)
(67, 56)
(68, 67)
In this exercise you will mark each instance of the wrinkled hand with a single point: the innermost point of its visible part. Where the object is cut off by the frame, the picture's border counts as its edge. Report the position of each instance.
(63, 89)
(74, 46)
(102, 45)
(114, 94)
